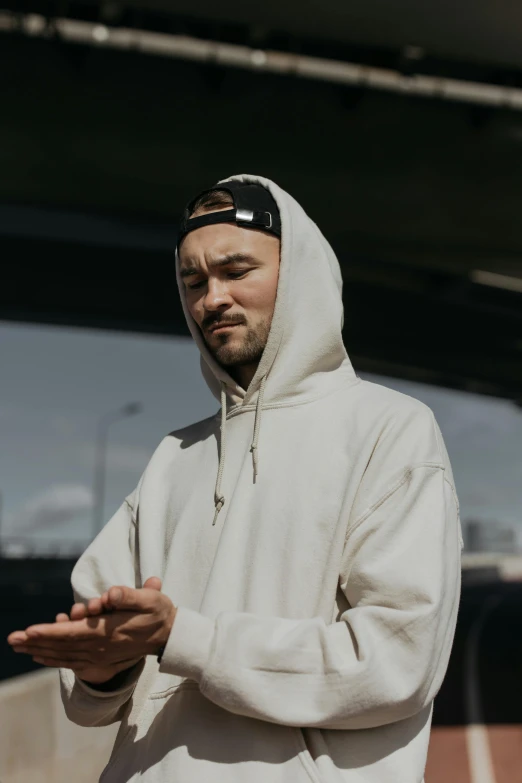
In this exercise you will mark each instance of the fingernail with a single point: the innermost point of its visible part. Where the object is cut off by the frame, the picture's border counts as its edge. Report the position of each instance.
(116, 595)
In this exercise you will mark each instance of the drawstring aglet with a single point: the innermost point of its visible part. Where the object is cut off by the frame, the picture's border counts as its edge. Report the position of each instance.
(219, 505)
(253, 449)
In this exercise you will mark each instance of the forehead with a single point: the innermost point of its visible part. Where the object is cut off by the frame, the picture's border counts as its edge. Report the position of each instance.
(222, 239)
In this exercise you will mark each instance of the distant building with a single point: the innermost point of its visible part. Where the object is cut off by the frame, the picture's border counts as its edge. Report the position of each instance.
(481, 536)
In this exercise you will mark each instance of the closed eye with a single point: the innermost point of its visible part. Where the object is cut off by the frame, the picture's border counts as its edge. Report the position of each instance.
(233, 275)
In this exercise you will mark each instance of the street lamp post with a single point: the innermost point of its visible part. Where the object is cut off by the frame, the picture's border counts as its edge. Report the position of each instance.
(100, 461)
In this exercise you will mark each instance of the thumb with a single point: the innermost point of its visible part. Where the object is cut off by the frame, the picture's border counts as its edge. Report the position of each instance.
(153, 583)
(125, 599)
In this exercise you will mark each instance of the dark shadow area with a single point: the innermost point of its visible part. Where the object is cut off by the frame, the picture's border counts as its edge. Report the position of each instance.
(499, 657)
(33, 590)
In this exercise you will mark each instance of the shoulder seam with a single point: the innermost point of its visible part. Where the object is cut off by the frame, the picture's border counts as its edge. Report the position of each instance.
(454, 493)
(437, 435)
(400, 481)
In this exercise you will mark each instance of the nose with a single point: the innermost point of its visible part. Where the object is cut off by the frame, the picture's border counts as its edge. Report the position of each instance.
(217, 296)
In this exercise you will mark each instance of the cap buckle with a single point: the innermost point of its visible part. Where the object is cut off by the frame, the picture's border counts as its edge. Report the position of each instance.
(246, 215)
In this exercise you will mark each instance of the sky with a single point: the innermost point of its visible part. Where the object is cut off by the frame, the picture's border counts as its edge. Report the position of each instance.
(57, 382)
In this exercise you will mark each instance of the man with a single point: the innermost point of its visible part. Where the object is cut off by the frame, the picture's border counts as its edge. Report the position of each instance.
(277, 599)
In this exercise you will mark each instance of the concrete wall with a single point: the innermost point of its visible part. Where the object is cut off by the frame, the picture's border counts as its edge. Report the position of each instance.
(38, 744)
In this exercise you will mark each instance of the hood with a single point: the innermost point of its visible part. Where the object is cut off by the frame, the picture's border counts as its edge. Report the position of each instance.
(305, 349)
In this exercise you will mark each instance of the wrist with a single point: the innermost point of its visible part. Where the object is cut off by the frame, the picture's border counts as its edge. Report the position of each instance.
(166, 631)
(112, 683)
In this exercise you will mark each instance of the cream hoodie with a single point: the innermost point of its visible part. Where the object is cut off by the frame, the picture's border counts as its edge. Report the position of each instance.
(318, 602)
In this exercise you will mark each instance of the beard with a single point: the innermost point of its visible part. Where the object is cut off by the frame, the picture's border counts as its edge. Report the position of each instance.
(248, 351)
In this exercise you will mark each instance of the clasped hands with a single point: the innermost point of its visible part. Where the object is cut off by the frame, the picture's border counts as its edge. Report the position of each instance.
(104, 637)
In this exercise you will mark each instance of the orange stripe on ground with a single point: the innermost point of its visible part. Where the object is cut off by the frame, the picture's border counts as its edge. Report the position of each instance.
(448, 756)
(505, 743)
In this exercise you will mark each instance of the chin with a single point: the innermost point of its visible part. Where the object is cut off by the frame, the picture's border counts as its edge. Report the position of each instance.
(230, 353)
(228, 357)
(237, 351)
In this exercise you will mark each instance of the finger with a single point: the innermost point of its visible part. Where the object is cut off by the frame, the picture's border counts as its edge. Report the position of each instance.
(81, 649)
(105, 600)
(89, 636)
(127, 599)
(62, 617)
(78, 612)
(52, 650)
(89, 629)
(57, 655)
(17, 637)
(95, 606)
(153, 583)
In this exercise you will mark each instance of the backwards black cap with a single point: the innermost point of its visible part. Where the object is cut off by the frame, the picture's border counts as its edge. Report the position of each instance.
(254, 207)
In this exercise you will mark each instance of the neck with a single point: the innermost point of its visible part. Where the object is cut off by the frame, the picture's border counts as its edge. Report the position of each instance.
(243, 374)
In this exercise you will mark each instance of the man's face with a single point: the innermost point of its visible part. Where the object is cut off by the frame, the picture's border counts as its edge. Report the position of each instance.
(230, 276)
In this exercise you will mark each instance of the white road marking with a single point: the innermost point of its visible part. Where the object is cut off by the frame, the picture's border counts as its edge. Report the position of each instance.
(479, 754)
(479, 751)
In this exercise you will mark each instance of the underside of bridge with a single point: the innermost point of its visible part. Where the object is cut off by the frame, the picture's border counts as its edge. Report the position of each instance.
(419, 196)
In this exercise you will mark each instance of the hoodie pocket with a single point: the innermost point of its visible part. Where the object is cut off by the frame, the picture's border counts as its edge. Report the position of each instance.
(181, 735)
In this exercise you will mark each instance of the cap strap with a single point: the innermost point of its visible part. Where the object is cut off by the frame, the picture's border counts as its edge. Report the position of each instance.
(243, 217)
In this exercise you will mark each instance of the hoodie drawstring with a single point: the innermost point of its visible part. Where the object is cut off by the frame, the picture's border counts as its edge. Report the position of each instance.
(257, 426)
(219, 499)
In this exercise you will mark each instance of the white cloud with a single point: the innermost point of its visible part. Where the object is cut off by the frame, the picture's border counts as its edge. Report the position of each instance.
(56, 506)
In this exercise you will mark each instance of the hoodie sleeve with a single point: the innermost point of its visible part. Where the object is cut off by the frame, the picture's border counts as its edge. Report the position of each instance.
(110, 559)
(386, 656)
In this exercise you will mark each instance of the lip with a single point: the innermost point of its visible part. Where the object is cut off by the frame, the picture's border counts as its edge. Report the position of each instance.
(222, 327)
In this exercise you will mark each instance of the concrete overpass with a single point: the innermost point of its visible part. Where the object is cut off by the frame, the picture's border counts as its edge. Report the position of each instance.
(419, 197)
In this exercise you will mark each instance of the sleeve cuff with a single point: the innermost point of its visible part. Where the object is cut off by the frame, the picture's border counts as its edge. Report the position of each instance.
(126, 685)
(188, 647)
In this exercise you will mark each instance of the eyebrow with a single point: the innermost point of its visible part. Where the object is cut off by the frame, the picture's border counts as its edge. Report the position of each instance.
(228, 260)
